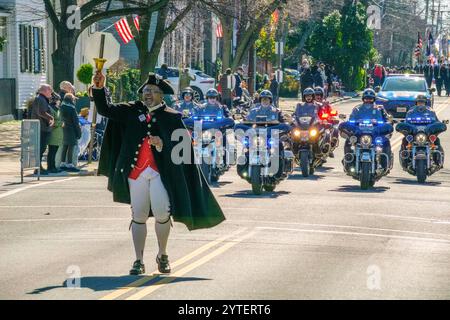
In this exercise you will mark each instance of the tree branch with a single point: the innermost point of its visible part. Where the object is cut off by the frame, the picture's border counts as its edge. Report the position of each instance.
(120, 12)
(87, 8)
(51, 13)
(180, 17)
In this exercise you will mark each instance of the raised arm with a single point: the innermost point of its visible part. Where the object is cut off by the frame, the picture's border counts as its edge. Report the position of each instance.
(117, 112)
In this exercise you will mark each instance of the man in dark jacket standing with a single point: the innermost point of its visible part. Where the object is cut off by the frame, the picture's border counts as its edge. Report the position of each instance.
(40, 110)
(149, 170)
(306, 76)
(274, 89)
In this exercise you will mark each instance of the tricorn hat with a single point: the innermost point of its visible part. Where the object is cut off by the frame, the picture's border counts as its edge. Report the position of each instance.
(157, 80)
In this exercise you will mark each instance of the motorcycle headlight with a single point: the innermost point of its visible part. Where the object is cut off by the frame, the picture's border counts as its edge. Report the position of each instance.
(296, 133)
(313, 132)
(206, 136)
(421, 138)
(366, 140)
(259, 141)
(353, 139)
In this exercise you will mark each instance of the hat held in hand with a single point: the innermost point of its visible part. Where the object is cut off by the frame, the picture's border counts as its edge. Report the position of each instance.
(157, 80)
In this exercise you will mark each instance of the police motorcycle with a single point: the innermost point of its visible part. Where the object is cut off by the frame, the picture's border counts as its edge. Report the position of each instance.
(368, 156)
(267, 158)
(327, 113)
(208, 125)
(311, 135)
(421, 154)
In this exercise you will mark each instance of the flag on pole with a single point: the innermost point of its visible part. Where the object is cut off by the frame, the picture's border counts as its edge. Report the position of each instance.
(123, 29)
(136, 22)
(418, 50)
(219, 31)
(430, 43)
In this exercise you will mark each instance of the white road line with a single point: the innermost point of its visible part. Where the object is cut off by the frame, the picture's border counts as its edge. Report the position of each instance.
(357, 234)
(11, 192)
(344, 227)
(65, 206)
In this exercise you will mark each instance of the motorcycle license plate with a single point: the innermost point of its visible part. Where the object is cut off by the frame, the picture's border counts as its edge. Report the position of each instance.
(365, 157)
(402, 109)
(304, 135)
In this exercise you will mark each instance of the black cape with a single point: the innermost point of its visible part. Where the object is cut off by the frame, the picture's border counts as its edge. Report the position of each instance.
(191, 200)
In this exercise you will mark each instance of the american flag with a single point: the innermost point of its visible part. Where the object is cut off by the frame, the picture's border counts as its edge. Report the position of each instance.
(418, 50)
(219, 31)
(124, 30)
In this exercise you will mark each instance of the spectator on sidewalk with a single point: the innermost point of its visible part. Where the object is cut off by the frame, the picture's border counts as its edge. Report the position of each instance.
(306, 76)
(56, 136)
(83, 142)
(40, 110)
(184, 80)
(227, 83)
(164, 71)
(274, 89)
(64, 87)
(239, 76)
(71, 132)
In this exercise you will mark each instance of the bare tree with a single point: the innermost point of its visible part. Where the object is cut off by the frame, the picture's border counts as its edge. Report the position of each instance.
(67, 33)
(148, 52)
(250, 16)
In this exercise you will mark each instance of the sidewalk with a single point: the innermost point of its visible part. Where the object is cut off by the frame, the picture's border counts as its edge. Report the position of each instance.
(10, 155)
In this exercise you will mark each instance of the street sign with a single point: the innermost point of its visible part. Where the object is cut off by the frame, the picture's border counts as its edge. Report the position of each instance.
(30, 141)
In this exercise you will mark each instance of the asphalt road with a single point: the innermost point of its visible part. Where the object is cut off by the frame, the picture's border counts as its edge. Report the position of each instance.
(315, 238)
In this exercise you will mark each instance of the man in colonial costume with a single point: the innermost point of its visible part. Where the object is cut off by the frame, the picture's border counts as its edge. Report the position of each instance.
(136, 156)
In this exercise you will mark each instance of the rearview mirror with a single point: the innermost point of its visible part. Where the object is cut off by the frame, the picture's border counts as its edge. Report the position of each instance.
(342, 116)
(377, 89)
(433, 90)
(445, 121)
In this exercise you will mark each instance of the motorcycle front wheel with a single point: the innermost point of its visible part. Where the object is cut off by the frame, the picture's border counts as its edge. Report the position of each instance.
(365, 178)
(255, 179)
(304, 164)
(206, 169)
(421, 170)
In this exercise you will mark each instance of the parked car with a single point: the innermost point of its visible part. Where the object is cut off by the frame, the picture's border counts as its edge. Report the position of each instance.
(399, 92)
(200, 85)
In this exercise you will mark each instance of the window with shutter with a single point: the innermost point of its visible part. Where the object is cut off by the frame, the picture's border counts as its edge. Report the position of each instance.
(30, 49)
(42, 49)
(23, 53)
(36, 50)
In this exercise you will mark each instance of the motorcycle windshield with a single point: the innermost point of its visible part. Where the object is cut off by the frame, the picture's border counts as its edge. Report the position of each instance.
(366, 119)
(306, 111)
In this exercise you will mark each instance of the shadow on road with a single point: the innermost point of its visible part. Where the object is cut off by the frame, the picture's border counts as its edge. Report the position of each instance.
(310, 178)
(249, 194)
(113, 283)
(357, 189)
(415, 183)
(220, 184)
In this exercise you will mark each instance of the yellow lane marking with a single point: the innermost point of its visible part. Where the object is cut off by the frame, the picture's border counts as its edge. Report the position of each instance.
(119, 292)
(148, 290)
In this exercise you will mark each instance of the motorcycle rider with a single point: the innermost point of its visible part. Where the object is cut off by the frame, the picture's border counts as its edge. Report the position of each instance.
(265, 107)
(364, 111)
(308, 102)
(188, 104)
(427, 117)
(212, 104)
(325, 108)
